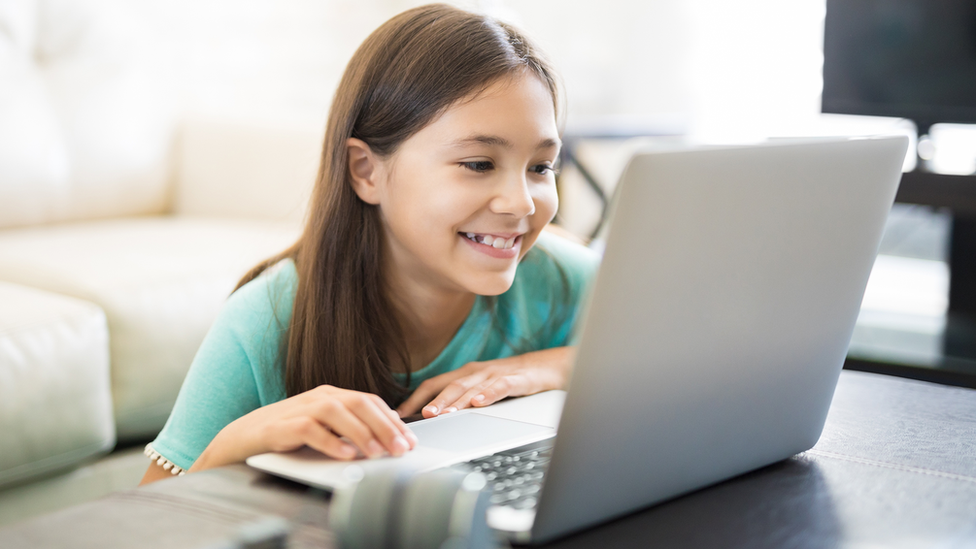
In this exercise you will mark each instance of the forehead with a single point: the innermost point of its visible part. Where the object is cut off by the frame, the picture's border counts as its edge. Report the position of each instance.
(517, 109)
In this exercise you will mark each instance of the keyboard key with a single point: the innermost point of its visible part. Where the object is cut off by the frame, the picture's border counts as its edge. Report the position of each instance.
(514, 476)
(527, 503)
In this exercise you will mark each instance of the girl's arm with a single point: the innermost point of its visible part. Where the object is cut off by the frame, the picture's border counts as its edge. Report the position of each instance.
(321, 419)
(483, 383)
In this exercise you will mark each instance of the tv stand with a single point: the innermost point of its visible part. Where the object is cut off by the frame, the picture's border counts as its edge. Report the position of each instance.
(957, 363)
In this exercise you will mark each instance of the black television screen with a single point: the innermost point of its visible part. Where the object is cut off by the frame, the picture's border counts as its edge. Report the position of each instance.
(907, 58)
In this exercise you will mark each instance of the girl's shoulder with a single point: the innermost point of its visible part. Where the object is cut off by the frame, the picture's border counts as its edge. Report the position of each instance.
(269, 295)
(281, 276)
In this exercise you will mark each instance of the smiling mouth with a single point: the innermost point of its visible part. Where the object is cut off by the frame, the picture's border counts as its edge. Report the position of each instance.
(493, 241)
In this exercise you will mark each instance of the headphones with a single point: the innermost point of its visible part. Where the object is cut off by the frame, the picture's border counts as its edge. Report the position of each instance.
(397, 508)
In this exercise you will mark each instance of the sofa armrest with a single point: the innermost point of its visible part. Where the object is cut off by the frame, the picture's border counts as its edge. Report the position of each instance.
(245, 169)
(55, 400)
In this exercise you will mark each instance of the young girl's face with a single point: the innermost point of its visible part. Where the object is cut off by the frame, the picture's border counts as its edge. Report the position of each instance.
(464, 199)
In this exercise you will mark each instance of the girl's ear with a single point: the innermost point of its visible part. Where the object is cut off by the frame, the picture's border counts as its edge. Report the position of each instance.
(364, 170)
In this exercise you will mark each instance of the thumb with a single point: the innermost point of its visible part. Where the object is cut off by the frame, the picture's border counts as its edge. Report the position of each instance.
(421, 396)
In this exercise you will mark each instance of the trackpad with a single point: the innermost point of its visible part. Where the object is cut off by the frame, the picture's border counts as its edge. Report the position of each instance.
(465, 432)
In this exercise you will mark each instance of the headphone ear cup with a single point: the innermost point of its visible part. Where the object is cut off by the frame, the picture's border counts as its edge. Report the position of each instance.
(444, 509)
(361, 514)
(396, 509)
(425, 513)
(469, 517)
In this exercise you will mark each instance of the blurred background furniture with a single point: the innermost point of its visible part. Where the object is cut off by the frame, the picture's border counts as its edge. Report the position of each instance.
(916, 60)
(124, 224)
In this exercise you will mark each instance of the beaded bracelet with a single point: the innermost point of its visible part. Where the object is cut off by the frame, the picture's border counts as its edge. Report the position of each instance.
(166, 464)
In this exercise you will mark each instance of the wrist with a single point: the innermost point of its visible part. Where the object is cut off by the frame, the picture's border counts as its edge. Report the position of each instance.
(559, 366)
(224, 449)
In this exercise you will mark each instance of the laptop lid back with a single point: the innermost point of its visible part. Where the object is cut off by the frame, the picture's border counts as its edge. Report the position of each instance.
(719, 321)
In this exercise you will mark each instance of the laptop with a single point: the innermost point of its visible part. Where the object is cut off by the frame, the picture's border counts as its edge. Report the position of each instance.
(711, 343)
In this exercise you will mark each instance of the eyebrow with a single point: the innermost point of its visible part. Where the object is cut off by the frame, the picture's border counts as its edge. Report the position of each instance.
(496, 141)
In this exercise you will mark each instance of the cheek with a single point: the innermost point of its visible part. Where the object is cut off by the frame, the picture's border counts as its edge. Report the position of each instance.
(412, 202)
(431, 216)
(546, 202)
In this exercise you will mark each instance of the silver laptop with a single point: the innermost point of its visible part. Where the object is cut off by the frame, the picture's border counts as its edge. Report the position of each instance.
(711, 343)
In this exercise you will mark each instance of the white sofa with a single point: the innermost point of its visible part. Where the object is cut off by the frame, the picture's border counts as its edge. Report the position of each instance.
(123, 227)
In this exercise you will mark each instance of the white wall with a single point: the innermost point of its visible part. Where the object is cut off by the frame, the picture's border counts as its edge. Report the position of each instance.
(715, 67)
(756, 67)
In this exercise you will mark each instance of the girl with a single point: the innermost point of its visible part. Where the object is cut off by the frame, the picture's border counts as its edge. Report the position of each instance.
(423, 280)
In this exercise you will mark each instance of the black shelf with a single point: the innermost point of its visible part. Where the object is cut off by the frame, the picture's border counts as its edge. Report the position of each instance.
(947, 374)
(953, 364)
(955, 192)
(956, 363)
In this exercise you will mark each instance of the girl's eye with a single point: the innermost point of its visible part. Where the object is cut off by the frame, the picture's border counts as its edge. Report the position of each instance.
(479, 166)
(542, 169)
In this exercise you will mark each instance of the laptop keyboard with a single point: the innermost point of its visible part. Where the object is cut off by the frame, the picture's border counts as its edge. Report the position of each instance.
(515, 476)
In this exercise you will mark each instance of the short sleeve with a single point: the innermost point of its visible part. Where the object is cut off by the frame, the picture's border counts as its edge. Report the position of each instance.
(237, 368)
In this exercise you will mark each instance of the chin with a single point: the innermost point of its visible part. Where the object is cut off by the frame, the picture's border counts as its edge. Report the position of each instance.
(491, 285)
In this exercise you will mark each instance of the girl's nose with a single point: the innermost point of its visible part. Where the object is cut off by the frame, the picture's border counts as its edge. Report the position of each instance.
(513, 197)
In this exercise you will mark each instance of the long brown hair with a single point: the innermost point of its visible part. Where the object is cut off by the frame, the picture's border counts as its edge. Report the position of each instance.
(344, 330)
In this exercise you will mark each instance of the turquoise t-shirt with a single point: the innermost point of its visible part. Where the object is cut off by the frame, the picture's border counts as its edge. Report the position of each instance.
(238, 368)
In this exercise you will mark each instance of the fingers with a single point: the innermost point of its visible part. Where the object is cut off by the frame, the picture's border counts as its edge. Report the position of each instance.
(426, 391)
(412, 405)
(399, 434)
(492, 390)
(345, 423)
(299, 431)
(365, 420)
(450, 398)
(404, 430)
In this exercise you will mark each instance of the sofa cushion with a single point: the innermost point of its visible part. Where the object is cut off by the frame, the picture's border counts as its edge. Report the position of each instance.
(249, 169)
(55, 404)
(160, 281)
(34, 159)
(86, 128)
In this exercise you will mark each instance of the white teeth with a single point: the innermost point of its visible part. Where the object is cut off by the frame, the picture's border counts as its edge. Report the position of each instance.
(496, 242)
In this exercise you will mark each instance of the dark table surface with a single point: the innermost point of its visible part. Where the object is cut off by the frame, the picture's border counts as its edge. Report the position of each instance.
(895, 467)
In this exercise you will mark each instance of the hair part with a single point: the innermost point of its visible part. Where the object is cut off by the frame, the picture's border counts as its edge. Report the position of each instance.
(345, 330)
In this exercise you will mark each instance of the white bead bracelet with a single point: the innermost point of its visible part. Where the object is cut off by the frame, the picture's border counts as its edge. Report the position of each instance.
(166, 464)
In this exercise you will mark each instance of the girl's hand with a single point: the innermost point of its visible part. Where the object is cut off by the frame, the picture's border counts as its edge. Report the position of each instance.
(319, 418)
(482, 383)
